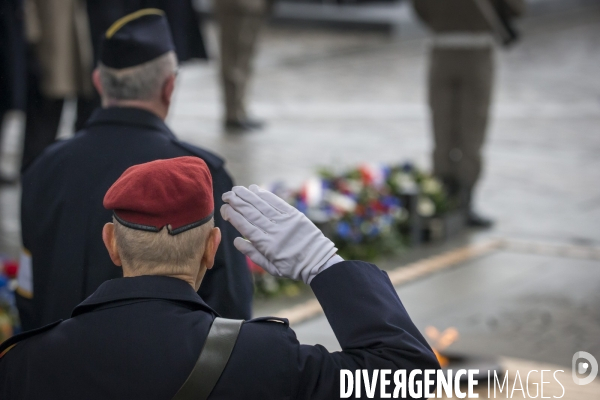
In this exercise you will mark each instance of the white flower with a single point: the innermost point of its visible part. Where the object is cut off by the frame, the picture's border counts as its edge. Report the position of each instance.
(431, 186)
(406, 183)
(354, 185)
(313, 189)
(425, 207)
(400, 214)
(341, 202)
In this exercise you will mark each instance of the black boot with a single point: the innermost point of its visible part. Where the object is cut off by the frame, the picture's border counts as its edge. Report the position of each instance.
(244, 125)
(475, 220)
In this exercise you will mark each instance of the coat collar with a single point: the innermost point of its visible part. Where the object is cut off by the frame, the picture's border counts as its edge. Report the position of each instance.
(142, 287)
(128, 116)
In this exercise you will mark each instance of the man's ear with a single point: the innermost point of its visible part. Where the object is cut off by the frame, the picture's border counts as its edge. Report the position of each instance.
(108, 236)
(168, 89)
(210, 250)
(97, 81)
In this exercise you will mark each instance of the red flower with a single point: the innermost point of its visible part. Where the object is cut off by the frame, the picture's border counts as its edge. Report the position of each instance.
(253, 267)
(360, 210)
(376, 205)
(11, 267)
(366, 174)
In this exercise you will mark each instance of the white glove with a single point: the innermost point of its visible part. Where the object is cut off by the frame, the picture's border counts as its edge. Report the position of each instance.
(280, 238)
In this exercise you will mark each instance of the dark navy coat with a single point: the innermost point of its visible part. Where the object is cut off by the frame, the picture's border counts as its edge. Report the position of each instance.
(138, 338)
(62, 215)
(13, 78)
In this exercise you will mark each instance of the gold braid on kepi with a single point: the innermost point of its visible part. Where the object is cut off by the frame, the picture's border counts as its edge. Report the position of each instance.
(136, 38)
(118, 24)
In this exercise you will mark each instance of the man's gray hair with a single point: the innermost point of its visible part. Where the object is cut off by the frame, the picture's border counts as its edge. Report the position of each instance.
(147, 251)
(141, 82)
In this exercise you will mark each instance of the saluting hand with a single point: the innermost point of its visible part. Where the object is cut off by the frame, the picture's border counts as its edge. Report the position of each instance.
(279, 237)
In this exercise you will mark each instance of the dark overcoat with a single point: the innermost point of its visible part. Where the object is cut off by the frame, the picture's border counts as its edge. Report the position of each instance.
(138, 338)
(13, 84)
(62, 215)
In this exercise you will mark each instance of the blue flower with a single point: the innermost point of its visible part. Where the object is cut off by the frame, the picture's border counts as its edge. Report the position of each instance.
(344, 230)
(386, 171)
(302, 206)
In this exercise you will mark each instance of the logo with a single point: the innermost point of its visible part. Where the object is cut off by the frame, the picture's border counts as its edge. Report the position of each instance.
(581, 367)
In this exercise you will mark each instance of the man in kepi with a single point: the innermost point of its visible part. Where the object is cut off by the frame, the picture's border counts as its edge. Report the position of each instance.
(64, 260)
(139, 337)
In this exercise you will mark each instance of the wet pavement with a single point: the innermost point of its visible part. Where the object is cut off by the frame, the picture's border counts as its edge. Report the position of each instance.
(514, 304)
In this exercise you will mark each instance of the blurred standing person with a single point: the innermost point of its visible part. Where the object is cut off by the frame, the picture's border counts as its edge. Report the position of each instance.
(59, 67)
(240, 22)
(64, 259)
(460, 86)
(65, 40)
(12, 56)
(13, 76)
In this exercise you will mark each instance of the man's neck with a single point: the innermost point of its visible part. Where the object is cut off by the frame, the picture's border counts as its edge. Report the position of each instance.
(184, 277)
(152, 107)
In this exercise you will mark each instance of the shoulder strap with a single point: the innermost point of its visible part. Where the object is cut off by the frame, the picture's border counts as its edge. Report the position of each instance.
(212, 360)
(493, 20)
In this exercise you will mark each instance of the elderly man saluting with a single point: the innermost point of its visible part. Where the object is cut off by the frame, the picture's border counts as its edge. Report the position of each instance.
(64, 260)
(140, 337)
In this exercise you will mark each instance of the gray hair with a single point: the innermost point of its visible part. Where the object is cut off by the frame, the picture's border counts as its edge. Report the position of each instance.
(148, 251)
(141, 82)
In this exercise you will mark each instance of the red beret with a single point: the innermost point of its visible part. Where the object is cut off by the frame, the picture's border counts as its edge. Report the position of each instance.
(176, 192)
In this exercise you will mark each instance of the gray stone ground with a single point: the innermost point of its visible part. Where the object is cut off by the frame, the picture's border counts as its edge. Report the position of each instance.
(511, 304)
(338, 98)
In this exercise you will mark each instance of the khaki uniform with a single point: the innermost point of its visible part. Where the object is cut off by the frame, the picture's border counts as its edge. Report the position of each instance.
(240, 22)
(59, 67)
(461, 76)
(60, 34)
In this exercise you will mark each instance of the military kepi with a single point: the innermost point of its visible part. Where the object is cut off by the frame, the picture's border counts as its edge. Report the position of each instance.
(175, 193)
(136, 39)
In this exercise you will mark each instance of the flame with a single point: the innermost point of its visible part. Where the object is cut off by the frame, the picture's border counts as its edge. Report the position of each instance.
(441, 341)
(444, 361)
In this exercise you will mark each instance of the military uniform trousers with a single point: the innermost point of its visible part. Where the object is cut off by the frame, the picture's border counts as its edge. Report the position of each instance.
(240, 22)
(460, 88)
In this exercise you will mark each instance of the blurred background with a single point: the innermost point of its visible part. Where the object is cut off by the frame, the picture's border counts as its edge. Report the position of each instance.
(342, 89)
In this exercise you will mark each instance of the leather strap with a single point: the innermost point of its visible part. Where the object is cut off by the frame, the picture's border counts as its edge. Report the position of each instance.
(213, 358)
(493, 19)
